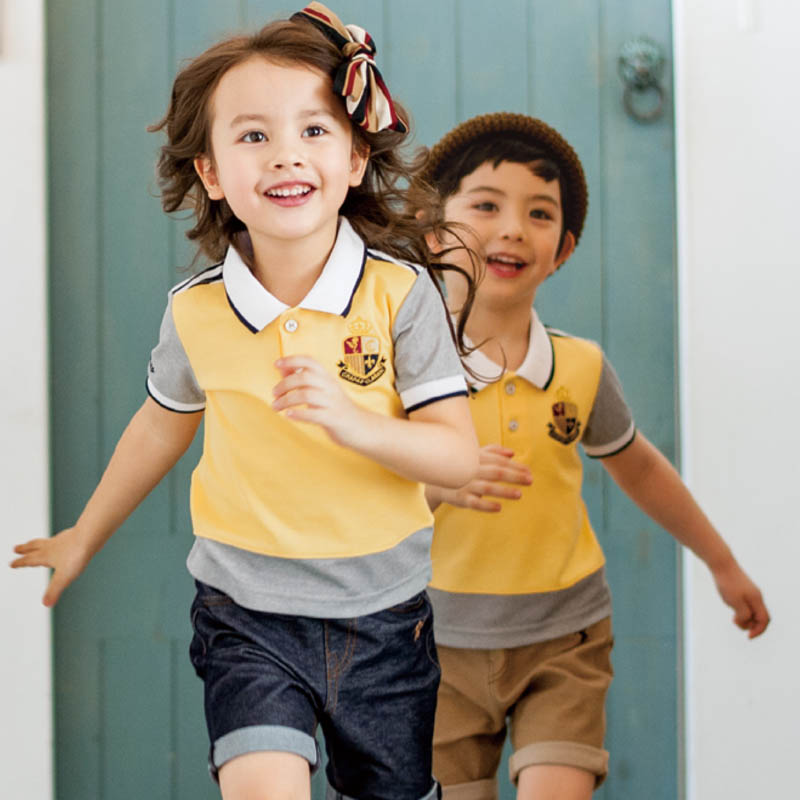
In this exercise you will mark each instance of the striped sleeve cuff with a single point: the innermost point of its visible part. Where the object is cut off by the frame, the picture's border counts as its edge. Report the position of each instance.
(426, 393)
(611, 448)
(170, 404)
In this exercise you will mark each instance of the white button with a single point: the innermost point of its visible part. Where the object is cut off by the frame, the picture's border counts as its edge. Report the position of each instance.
(290, 325)
(513, 425)
(511, 388)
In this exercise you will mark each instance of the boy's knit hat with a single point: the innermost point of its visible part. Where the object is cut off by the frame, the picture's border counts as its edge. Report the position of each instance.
(551, 142)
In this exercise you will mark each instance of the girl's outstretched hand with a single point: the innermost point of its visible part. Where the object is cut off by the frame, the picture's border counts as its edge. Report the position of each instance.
(63, 553)
(498, 476)
(743, 596)
(309, 393)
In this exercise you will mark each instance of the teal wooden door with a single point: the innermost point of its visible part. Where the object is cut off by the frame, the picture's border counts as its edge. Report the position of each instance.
(129, 719)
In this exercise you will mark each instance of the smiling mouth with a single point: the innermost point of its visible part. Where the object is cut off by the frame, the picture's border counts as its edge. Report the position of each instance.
(300, 190)
(504, 264)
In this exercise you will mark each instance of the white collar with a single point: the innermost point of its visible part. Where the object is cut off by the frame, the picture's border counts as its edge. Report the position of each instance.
(537, 367)
(332, 293)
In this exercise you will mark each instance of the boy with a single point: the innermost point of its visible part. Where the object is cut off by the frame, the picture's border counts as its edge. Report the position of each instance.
(522, 607)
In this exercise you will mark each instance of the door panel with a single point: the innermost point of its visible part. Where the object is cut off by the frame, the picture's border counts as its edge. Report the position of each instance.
(492, 57)
(129, 719)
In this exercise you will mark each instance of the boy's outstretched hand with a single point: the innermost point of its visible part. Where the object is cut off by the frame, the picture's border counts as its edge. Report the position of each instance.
(498, 476)
(743, 596)
(62, 553)
(649, 479)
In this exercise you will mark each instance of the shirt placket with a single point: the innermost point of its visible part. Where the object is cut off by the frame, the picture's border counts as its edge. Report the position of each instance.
(289, 325)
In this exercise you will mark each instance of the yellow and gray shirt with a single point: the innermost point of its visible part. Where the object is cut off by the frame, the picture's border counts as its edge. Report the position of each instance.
(285, 519)
(534, 571)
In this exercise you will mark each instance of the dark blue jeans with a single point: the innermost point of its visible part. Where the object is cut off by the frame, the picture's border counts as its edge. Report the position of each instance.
(369, 682)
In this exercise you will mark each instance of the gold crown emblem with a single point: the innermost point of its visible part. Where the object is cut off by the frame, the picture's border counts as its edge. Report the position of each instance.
(359, 326)
(562, 393)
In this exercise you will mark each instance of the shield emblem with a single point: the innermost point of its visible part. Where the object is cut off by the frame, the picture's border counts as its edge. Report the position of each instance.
(361, 354)
(565, 417)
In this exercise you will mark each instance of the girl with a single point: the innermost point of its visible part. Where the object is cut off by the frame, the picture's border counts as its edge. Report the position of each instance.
(331, 391)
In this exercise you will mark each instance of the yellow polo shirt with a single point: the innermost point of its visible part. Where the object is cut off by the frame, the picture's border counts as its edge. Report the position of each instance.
(519, 575)
(281, 489)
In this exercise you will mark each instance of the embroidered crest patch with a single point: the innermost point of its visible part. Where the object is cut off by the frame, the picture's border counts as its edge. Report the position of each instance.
(566, 426)
(362, 362)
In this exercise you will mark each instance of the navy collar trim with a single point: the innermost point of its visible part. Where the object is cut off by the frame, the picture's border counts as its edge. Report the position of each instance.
(538, 366)
(332, 293)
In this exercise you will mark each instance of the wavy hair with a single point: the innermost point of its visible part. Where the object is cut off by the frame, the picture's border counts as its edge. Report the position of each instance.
(378, 209)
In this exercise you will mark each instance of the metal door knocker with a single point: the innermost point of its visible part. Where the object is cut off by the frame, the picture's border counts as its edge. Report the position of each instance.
(641, 64)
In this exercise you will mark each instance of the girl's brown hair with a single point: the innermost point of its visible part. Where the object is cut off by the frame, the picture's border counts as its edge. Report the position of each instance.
(378, 208)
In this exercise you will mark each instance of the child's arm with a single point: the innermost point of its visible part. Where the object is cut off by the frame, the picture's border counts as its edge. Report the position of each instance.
(149, 447)
(436, 444)
(496, 471)
(648, 478)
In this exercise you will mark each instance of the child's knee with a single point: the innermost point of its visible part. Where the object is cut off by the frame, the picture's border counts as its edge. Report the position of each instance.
(265, 776)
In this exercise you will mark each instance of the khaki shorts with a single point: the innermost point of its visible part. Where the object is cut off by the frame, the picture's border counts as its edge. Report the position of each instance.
(553, 695)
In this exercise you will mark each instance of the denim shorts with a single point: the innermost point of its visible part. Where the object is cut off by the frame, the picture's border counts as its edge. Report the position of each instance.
(370, 682)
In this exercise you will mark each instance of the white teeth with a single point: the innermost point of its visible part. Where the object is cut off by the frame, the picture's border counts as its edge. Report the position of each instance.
(294, 191)
(505, 260)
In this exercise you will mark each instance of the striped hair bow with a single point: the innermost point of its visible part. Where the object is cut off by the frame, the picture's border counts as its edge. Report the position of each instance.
(358, 80)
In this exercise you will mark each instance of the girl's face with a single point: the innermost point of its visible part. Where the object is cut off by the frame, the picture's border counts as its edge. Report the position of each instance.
(516, 219)
(282, 153)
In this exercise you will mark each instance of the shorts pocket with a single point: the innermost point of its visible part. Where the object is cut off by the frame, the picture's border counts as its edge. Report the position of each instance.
(430, 647)
(203, 624)
(197, 647)
(211, 597)
(410, 606)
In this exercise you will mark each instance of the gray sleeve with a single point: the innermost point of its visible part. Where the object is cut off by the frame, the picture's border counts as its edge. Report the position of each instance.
(426, 364)
(170, 379)
(610, 426)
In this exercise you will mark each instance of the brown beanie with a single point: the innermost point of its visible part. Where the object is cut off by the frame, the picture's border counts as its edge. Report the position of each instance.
(531, 130)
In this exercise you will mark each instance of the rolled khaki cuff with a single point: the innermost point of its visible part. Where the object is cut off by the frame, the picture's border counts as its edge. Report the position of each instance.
(475, 790)
(565, 754)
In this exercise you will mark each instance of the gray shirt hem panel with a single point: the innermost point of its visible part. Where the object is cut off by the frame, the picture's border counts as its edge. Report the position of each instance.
(486, 621)
(324, 588)
(494, 640)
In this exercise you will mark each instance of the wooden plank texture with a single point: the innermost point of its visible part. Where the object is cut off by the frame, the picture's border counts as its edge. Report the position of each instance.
(420, 62)
(72, 75)
(129, 718)
(638, 254)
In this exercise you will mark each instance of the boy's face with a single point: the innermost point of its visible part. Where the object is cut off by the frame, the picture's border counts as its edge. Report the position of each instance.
(283, 153)
(516, 217)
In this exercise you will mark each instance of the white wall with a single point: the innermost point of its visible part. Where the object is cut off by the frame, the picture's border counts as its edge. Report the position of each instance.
(25, 685)
(738, 130)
